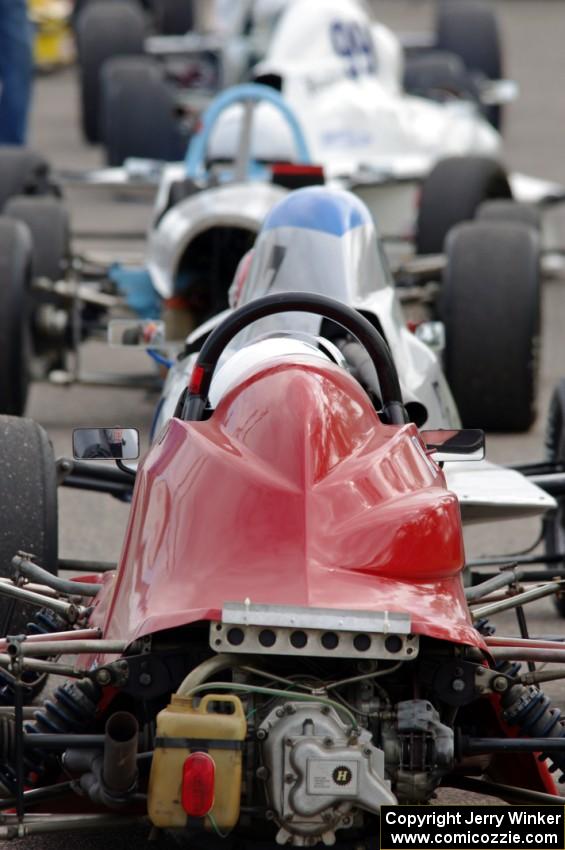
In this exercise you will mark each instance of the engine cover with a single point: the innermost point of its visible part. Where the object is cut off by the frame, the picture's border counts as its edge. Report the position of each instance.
(318, 772)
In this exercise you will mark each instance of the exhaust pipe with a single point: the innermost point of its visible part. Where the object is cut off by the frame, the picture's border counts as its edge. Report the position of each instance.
(112, 773)
(119, 768)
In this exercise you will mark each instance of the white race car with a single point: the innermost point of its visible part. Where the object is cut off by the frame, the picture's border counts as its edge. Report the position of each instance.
(324, 241)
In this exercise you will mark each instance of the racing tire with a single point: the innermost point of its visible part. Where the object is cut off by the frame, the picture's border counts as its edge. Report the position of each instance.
(510, 211)
(15, 317)
(490, 306)
(434, 73)
(138, 112)
(173, 17)
(452, 193)
(23, 172)
(48, 222)
(554, 523)
(28, 508)
(469, 29)
(104, 29)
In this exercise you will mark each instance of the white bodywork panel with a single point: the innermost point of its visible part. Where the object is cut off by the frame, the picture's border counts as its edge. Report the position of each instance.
(489, 492)
(341, 75)
(242, 205)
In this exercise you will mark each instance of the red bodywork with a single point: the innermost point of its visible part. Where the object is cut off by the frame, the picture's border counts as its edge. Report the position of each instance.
(292, 493)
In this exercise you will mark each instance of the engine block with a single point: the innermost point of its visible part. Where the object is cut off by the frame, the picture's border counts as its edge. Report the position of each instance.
(318, 772)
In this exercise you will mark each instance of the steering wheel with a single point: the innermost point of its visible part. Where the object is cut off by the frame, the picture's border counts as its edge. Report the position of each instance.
(250, 95)
(393, 411)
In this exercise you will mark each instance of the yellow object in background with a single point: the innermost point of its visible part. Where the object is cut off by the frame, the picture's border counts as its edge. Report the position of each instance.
(183, 726)
(54, 44)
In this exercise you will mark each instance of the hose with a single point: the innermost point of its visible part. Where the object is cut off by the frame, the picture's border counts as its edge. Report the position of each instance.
(256, 689)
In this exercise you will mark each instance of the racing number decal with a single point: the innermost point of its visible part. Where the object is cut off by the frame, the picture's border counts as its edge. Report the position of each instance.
(354, 43)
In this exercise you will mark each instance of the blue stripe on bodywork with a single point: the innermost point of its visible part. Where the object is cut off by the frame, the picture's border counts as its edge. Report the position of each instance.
(321, 209)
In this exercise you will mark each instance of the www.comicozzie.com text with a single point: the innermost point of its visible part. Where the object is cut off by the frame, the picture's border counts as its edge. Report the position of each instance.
(501, 822)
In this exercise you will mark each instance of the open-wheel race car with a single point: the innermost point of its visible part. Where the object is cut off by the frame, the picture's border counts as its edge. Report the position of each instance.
(286, 644)
(172, 75)
(207, 218)
(477, 249)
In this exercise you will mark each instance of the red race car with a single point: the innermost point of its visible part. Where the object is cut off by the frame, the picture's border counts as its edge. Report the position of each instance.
(287, 643)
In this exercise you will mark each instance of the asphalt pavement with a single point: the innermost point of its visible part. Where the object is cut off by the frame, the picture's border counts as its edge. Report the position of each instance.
(92, 526)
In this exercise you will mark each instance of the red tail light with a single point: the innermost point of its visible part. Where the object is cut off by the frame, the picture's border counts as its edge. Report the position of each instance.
(198, 779)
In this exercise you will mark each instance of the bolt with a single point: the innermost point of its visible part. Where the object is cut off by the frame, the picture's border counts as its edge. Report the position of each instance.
(145, 679)
(261, 734)
(326, 816)
(289, 742)
(367, 752)
(345, 821)
(328, 742)
(262, 773)
(288, 818)
(269, 814)
(280, 711)
(290, 709)
(325, 709)
(289, 778)
(458, 685)
(499, 684)
(103, 676)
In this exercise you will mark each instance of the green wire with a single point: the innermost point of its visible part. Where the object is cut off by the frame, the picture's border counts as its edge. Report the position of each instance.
(257, 689)
(215, 826)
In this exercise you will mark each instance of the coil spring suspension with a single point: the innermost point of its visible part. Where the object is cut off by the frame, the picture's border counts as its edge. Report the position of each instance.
(531, 710)
(509, 668)
(44, 622)
(484, 627)
(72, 708)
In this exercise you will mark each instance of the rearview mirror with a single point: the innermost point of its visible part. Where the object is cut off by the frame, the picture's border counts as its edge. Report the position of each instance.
(138, 333)
(105, 444)
(450, 444)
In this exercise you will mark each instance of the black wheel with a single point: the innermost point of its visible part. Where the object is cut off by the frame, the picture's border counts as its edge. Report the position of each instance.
(437, 75)
(23, 172)
(138, 112)
(490, 305)
(452, 193)
(15, 316)
(173, 17)
(510, 211)
(106, 28)
(28, 507)
(48, 221)
(554, 523)
(80, 5)
(469, 29)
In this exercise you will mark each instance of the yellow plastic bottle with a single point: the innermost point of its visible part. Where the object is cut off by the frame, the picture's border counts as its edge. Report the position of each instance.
(188, 729)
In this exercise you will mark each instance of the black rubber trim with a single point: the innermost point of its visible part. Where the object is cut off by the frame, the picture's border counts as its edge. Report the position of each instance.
(353, 322)
(197, 744)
